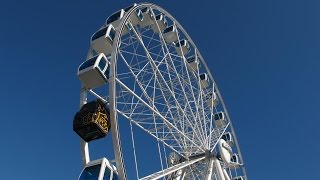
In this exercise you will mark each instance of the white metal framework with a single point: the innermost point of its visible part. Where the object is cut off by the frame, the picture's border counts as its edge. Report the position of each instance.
(159, 104)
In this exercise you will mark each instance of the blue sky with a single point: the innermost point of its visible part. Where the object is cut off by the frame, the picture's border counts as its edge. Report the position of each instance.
(264, 56)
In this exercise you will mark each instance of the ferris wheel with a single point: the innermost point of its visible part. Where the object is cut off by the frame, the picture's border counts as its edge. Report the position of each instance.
(145, 83)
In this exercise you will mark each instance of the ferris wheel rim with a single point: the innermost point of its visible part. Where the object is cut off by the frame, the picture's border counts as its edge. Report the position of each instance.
(112, 81)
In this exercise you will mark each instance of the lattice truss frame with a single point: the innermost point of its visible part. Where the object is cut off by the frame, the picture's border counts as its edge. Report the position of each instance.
(159, 93)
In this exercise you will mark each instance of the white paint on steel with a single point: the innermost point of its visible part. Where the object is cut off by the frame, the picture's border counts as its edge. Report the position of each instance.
(204, 136)
(84, 146)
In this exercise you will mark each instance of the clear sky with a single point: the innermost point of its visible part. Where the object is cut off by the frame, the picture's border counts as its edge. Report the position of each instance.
(264, 56)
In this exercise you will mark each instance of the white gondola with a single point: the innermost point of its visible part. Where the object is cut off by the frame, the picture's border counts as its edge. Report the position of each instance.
(170, 34)
(193, 63)
(238, 178)
(136, 17)
(212, 99)
(235, 159)
(182, 47)
(147, 17)
(115, 18)
(99, 169)
(161, 22)
(228, 138)
(94, 72)
(235, 162)
(220, 119)
(102, 40)
(204, 80)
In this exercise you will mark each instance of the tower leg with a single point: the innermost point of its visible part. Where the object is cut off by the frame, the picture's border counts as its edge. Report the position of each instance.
(218, 167)
(226, 174)
(84, 147)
